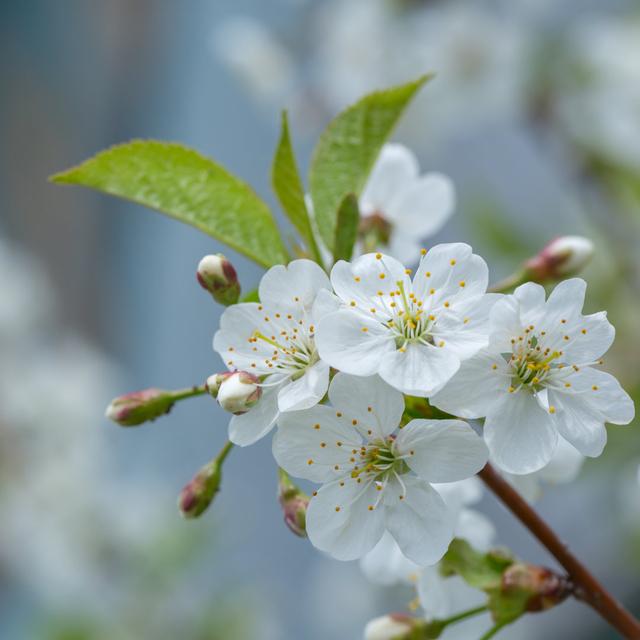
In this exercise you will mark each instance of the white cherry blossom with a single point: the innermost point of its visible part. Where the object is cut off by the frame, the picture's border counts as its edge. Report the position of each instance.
(274, 340)
(399, 207)
(375, 476)
(412, 332)
(537, 379)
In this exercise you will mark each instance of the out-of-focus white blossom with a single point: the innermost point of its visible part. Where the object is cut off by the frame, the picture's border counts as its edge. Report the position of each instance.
(256, 56)
(598, 96)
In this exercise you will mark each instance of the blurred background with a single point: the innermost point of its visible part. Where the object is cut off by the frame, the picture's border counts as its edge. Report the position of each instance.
(534, 113)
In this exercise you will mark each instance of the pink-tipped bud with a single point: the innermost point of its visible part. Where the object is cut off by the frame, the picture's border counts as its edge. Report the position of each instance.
(561, 258)
(238, 392)
(294, 503)
(196, 496)
(137, 407)
(218, 276)
(538, 588)
(392, 627)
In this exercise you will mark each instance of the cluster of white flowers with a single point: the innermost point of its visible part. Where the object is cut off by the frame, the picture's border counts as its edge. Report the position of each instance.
(334, 356)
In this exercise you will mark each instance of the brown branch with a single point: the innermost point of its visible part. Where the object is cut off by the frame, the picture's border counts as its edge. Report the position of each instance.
(588, 588)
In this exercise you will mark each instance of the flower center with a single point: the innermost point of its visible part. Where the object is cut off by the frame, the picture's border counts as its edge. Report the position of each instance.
(294, 350)
(531, 365)
(409, 321)
(380, 459)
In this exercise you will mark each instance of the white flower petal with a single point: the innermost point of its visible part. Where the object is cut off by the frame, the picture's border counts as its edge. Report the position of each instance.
(385, 564)
(326, 302)
(466, 332)
(593, 398)
(531, 299)
(566, 300)
(442, 269)
(343, 344)
(238, 323)
(369, 400)
(564, 466)
(475, 388)
(257, 422)
(419, 370)
(309, 444)
(442, 450)
(420, 522)
(395, 169)
(363, 279)
(590, 338)
(340, 522)
(520, 435)
(306, 391)
(423, 206)
(293, 286)
(504, 324)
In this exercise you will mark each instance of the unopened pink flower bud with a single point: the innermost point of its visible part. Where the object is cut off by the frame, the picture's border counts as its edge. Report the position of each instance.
(294, 503)
(137, 407)
(390, 627)
(196, 496)
(218, 276)
(538, 587)
(561, 258)
(238, 392)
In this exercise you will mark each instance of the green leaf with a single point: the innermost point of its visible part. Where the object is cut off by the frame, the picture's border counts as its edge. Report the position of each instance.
(185, 185)
(346, 228)
(289, 189)
(480, 570)
(348, 148)
(251, 296)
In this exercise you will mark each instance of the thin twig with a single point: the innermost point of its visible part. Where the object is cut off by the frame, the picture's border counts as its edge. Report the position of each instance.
(588, 588)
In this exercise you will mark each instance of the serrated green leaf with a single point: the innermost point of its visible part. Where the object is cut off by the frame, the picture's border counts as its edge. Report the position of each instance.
(289, 189)
(182, 183)
(346, 228)
(480, 570)
(348, 148)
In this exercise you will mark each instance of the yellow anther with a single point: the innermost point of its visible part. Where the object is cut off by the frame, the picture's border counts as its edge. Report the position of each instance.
(337, 509)
(432, 291)
(584, 331)
(447, 305)
(452, 262)
(423, 252)
(378, 256)
(462, 283)
(511, 389)
(309, 461)
(408, 271)
(567, 384)
(595, 387)
(494, 366)
(382, 276)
